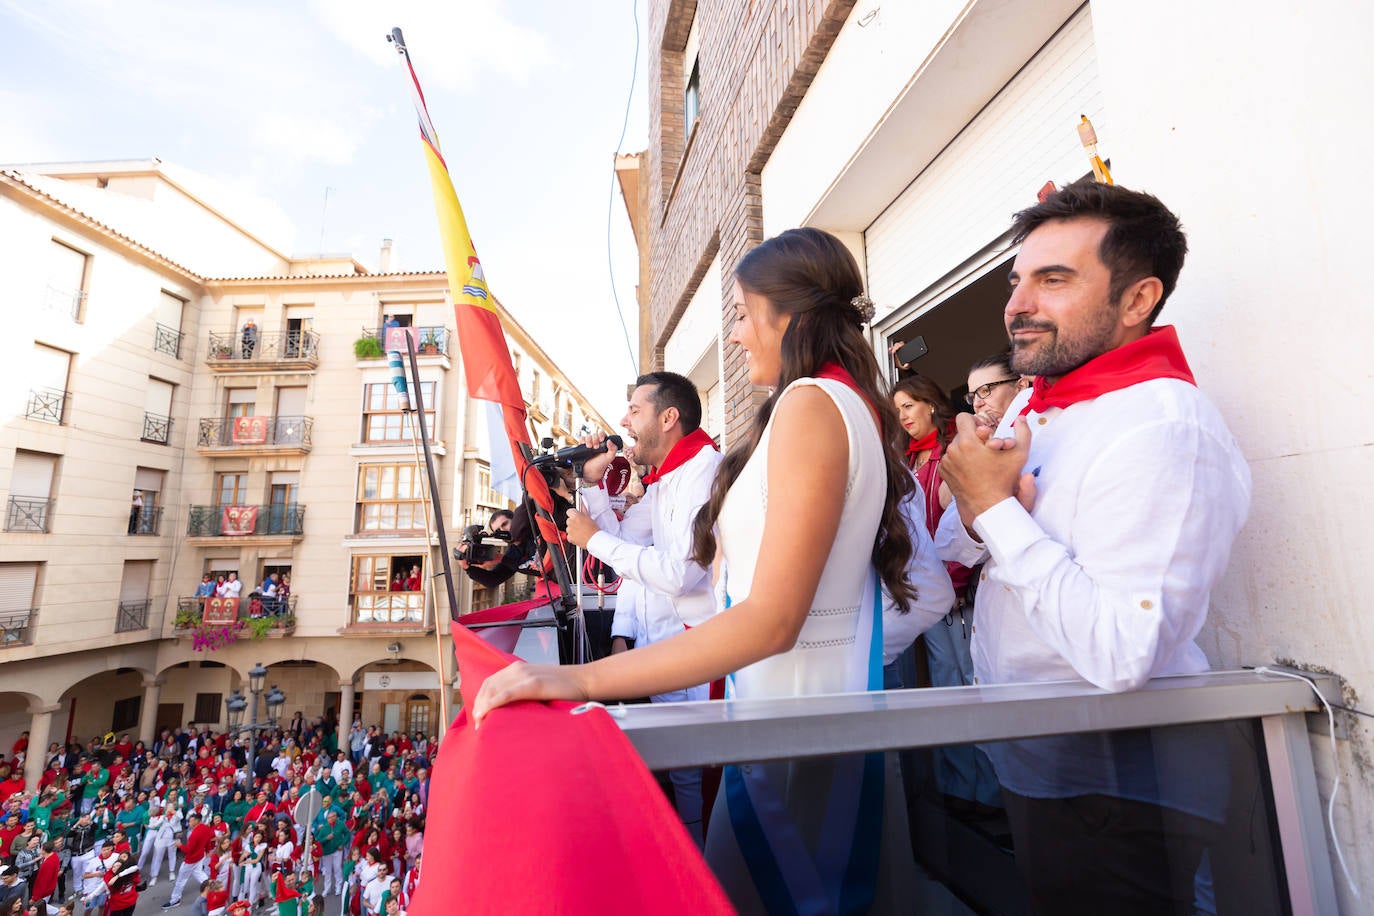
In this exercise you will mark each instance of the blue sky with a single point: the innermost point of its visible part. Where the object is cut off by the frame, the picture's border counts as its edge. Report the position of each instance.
(275, 102)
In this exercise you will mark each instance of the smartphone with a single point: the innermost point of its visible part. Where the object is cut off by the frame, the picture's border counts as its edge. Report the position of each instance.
(912, 352)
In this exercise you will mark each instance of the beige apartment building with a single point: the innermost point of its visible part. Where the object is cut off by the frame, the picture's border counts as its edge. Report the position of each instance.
(147, 439)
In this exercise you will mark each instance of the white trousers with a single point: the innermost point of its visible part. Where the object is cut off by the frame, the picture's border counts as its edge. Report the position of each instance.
(248, 888)
(331, 872)
(200, 869)
(158, 854)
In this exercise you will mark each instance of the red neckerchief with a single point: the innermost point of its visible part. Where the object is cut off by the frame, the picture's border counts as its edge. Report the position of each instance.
(1156, 355)
(837, 373)
(683, 451)
(926, 443)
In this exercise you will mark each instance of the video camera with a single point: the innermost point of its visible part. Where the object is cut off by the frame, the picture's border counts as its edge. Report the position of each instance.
(478, 545)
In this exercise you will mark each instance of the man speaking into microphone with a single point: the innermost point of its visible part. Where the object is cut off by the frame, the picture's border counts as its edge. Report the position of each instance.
(651, 544)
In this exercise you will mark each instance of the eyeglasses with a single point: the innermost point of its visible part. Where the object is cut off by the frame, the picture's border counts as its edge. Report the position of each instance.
(982, 391)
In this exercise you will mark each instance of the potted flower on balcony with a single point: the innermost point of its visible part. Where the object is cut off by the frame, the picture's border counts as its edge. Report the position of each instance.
(222, 351)
(429, 344)
(367, 347)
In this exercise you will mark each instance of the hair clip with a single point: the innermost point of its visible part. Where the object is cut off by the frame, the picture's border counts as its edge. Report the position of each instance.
(864, 307)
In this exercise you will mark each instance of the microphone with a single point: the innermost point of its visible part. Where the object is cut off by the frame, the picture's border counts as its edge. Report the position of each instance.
(576, 455)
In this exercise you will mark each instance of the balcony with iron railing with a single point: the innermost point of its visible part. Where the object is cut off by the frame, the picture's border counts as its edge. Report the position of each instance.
(157, 428)
(28, 513)
(167, 340)
(278, 521)
(48, 405)
(16, 627)
(145, 521)
(132, 615)
(255, 435)
(230, 352)
(66, 302)
(254, 617)
(373, 611)
(430, 340)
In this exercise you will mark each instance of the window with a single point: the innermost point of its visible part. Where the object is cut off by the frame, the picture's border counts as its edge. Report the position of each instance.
(241, 402)
(534, 388)
(157, 411)
(18, 584)
(691, 78)
(66, 292)
(418, 709)
(48, 395)
(379, 590)
(29, 507)
(390, 498)
(167, 330)
(144, 512)
(232, 489)
(207, 707)
(125, 717)
(486, 494)
(133, 596)
(383, 420)
(515, 363)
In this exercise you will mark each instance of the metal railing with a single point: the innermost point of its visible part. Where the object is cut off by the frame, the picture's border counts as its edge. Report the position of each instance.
(64, 301)
(133, 615)
(711, 733)
(430, 340)
(16, 627)
(281, 519)
(157, 428)
(284, 432)
(273, 607)
(146, 521)
(167, 340)
(266, 347)
(47, 404)
(26, 513)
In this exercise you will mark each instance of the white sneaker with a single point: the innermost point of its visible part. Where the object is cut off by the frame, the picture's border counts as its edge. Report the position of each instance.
(152, 883)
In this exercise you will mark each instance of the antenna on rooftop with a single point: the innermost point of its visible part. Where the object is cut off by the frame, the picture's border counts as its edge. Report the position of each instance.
(323, 212)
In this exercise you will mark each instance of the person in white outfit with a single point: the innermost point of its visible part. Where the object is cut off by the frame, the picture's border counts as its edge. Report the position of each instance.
(806, 512)
(651, 545)
(160, 842)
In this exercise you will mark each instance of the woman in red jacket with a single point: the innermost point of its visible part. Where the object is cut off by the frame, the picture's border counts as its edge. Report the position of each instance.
(122, 880)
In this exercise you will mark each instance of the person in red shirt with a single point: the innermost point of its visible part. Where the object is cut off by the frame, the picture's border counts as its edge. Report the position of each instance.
(124, 747)
(11, 781)
(195, 850)
(11, 829)
(122, 881)
(216, 896)
(45, 879)
(413, 583)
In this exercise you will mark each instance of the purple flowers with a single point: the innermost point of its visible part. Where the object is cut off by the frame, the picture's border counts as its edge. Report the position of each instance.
(208, 638)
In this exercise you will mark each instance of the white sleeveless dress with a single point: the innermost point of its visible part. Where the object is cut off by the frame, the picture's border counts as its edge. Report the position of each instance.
(827, 835)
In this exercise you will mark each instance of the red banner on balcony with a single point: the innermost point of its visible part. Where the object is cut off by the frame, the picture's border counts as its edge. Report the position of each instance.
(249, 430)
(220, 611)
(236, 521)
(396, 339)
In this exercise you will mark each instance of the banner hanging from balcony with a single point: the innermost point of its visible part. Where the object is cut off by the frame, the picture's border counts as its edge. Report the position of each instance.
(249, 431)
(514, 810)
(221, 611)
(236, 521)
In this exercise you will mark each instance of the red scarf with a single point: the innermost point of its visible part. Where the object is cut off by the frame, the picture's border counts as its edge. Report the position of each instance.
(1156, 355)
(926, 443)
(682, 452)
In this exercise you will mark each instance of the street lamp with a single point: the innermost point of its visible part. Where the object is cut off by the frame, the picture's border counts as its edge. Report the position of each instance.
(236, 704)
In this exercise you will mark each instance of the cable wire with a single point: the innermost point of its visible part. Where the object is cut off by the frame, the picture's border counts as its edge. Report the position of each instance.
(1335, 765)
(610, 201)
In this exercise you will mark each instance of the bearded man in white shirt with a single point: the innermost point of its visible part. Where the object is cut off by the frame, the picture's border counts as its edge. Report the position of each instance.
(1105, 505)
(652, 544)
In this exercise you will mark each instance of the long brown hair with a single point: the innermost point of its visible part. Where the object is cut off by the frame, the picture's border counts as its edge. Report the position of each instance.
(809, 275)
(923, 388)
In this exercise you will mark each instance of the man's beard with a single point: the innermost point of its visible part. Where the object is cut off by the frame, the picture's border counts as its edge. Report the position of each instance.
(1060, 352)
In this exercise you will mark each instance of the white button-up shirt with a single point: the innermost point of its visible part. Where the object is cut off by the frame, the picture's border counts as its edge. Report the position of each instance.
(652, 543)
(1140, 493)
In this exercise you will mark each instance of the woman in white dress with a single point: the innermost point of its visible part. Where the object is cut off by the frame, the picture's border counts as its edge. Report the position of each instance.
(797, 575)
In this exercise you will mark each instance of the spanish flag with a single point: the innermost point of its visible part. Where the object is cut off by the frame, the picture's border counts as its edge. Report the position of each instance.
(486, 361)
(521, 815)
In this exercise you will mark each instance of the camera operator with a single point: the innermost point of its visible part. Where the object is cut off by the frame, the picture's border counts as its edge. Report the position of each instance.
(493, 572)
(519, 528)
(651, 544)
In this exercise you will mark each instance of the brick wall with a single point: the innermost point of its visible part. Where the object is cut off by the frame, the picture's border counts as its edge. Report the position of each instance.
(757, 59)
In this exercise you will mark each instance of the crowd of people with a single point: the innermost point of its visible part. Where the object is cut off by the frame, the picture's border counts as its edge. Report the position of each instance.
(105, 818)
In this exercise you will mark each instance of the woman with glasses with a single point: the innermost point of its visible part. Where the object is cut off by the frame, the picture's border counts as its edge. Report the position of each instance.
(992, 386)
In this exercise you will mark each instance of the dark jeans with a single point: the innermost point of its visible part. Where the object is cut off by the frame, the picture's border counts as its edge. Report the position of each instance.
(1095, 854)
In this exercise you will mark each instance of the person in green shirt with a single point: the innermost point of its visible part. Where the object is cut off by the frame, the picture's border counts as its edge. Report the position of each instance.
(41, 809)
(333, 838)
(95, 778)
(132, 820)
(326, 785)
(235, 811)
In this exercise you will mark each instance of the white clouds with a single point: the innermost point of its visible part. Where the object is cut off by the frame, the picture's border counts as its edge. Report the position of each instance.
(451, 43)
(308, 136)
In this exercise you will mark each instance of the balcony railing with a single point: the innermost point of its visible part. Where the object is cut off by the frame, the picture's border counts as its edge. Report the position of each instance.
(430, 340)
(133, 615)
(146, 521)
(270, 432)
(47, 404)
(228, 347)
(280, 520)
(64, 301)
(167, 340)
(26, 513)
(157, 428)
(189, 606)
(16, 627)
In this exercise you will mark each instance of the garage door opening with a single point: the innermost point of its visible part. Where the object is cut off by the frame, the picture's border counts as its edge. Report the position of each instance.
(959, 330)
